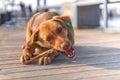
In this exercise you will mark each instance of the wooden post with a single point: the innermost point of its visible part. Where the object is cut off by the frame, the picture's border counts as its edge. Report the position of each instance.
(38, 5)
(45, 2)
(105, 14)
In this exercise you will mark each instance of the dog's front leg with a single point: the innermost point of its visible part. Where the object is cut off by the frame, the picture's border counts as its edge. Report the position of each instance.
(28, 52)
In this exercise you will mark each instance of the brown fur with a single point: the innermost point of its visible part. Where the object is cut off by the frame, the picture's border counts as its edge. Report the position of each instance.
(44, 31)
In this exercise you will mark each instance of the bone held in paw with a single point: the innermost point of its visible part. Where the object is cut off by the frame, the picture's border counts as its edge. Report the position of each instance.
(38, 56)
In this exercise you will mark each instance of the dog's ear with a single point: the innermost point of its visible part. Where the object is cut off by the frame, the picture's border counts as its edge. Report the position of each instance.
(31, 43)
(63, 18)
(34, 37)
(65, 21)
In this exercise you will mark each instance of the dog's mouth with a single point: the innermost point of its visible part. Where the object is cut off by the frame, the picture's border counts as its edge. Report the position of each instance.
(69, 53)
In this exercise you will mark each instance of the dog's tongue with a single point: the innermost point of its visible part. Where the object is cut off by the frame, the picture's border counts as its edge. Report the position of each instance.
(70, 53)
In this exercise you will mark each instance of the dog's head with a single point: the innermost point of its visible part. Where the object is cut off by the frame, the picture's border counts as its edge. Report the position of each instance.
(54, 34)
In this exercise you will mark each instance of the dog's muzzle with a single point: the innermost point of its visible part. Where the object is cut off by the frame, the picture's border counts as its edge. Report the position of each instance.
(68, 50)
(70, 53)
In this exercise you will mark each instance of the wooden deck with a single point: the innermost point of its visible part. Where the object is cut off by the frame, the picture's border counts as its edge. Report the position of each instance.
(97, 58)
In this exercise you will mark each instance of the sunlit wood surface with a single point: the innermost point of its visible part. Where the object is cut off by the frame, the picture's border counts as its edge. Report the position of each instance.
(97, 58)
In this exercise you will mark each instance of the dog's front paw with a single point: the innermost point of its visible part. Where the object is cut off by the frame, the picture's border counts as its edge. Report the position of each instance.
(47, 59)
(44, 60)
(25, 57)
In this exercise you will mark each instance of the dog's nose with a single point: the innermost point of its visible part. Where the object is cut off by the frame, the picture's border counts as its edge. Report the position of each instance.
(65, 45)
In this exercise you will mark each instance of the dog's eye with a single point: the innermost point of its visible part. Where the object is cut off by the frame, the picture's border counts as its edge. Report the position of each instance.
(49, 38)
(59, 30)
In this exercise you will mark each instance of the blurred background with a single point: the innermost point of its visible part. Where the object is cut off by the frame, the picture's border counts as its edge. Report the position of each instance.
(97, 40)
(100, 14)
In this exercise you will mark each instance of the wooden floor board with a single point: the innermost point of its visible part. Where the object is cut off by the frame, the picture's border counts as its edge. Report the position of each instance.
(83, 68)
(97, 58)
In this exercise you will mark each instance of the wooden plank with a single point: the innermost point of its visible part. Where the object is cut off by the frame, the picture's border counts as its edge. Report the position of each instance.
(107, 77)
(27, 68)
(11, 49)
(80, 60)
(11, 66)
(72, 72)
(86, 56)
(82, 52)
(68, 62)
(10, 62)
(15, 56)
(66, 77)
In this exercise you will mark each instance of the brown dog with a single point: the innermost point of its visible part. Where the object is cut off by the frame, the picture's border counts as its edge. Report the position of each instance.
(45, 31)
